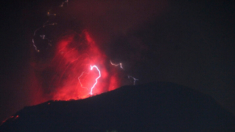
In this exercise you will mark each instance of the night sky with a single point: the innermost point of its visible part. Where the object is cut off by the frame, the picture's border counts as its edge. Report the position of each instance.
(188, 43)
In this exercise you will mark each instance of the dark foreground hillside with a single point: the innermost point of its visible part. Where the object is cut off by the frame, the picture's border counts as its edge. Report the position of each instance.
(151, 107)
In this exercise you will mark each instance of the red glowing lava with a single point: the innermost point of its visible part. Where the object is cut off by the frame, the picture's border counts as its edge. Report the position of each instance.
(78, 70)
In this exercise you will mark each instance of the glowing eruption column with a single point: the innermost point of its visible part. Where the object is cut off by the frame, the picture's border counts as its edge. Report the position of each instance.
(62, 54)
(96, 80)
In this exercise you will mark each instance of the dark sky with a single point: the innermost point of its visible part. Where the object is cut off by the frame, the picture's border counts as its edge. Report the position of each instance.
(189, 43)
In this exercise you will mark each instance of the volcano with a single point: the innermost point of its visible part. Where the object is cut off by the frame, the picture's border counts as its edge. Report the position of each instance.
(159, 106)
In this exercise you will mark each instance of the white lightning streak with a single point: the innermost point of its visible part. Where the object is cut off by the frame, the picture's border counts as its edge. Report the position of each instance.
(119, 64)
(96, 80)
(80, 80)
(35, 47)
(45, 25)
(42, 36)
(134, 79)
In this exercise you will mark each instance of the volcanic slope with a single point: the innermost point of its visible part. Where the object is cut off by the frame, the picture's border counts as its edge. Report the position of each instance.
(153, 107)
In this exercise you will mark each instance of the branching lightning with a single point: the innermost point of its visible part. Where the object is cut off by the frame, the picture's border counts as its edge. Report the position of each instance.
(45, 25)
(134, 79)
(96, 80)
(88, 79)
(121, 66)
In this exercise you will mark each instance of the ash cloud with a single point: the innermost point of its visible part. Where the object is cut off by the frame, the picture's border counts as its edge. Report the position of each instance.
(189, 43)
(114, 24)
(110, 24)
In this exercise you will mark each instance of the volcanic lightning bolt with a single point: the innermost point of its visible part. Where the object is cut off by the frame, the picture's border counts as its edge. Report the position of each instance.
(134, 79)
(80, 80)
(129, 77)
(96, 80)
(65, 58)
(119, 64)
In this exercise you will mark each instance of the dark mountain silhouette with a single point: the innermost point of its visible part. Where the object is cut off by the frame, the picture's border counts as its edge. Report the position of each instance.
(150, 107)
